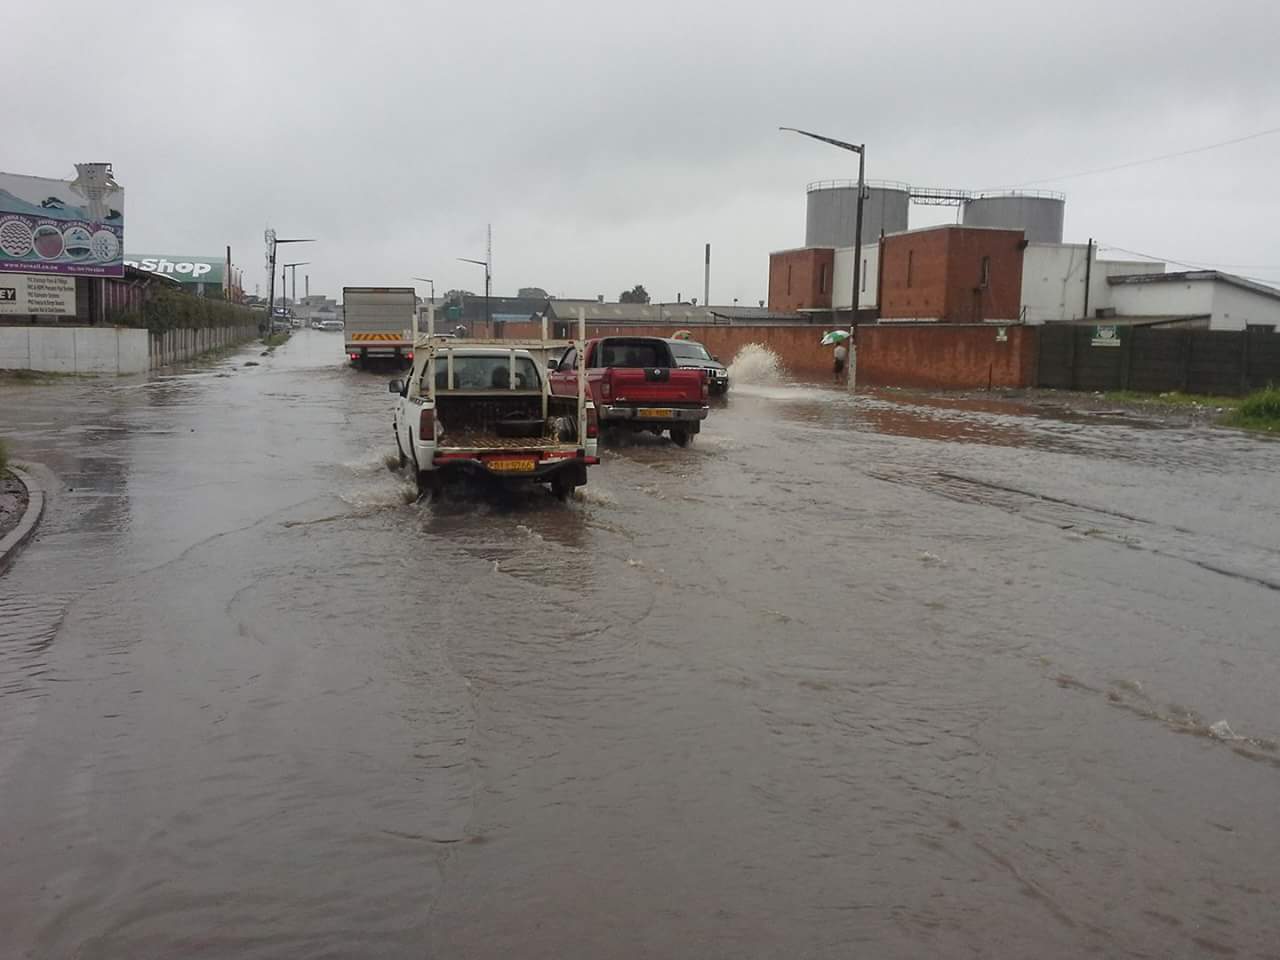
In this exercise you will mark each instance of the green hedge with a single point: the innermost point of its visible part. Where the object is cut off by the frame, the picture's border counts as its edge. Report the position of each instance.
(176, 310)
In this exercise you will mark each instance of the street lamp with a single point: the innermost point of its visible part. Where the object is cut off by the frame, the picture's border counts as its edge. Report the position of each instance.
(487, 263)
(294, 267)
(273, 241)
(860, 150)
(433, 288)
(488, 320)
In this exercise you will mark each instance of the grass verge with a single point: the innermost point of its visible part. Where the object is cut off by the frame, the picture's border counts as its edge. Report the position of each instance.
(4, 457)
(271, 341)
(1258, 411)
(1174, 400)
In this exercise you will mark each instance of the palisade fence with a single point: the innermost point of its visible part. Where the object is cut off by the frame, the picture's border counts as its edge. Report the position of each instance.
(181, 326)
(176, 345)
(1153, 360)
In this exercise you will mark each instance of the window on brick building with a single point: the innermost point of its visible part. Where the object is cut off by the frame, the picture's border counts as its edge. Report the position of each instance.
(911, 256)
(985, 279)
(788, 279)
(822, 279)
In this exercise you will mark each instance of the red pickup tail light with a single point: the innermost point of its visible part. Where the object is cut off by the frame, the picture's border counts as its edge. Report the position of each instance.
(427, 424)
(354, 356)
(593, 422)
(409, 355)
(706, 388)
(606, 386)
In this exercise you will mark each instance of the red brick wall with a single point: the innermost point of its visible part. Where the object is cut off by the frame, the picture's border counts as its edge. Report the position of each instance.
(1000, 299)
(797, 280)
(949, 356)
(900, 355)
(923, 294)
(945, 267)
(797, 347)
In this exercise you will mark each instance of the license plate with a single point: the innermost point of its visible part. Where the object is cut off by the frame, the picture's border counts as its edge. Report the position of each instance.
(512, 465)
(656, 413)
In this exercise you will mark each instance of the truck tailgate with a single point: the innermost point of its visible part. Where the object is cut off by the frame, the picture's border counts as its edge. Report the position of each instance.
(661, 385)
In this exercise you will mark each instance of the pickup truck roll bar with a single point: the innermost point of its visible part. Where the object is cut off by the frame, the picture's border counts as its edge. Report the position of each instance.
(435, 345)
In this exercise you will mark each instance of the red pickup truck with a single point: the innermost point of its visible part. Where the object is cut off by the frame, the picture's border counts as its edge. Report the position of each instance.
(636, 385)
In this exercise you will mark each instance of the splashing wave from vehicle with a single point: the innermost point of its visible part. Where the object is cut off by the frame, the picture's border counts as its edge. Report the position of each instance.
(756, 364)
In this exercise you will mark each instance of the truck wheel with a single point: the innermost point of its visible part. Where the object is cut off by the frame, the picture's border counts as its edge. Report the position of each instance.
(429, 486)
(562, 485)
(680, 436)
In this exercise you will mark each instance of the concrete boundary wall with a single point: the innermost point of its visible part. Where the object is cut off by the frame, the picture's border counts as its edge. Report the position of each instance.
(108, 350)
(175, 346)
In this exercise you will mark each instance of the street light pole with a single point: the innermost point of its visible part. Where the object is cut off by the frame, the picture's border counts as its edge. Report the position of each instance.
(860, 150)
(271, 273)
(488, 319)
(433, 287)
(294, 267)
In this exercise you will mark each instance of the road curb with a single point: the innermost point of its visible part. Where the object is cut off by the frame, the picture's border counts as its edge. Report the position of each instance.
(26, 527)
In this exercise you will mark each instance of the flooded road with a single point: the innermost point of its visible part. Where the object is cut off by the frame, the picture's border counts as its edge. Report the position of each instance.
(878, 677)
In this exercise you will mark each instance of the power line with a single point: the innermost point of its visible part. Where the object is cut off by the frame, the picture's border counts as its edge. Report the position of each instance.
(1164, 156)
(1180, 263)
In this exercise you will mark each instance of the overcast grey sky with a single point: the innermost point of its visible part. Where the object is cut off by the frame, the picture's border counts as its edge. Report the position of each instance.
(607, 142)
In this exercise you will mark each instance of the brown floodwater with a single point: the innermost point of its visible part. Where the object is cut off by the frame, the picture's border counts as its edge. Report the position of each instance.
(874, 676)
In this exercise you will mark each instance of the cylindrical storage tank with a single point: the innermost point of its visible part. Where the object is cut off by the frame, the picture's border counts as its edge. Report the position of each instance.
(1038, 214)
(833, 211)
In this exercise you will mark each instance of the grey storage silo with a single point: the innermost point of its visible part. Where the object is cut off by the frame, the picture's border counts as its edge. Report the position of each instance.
(1038, 214)
(832, 211)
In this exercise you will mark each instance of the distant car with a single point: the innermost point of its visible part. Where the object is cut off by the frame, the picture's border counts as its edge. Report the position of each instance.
(296, 323)
(691, 354)
(331, 324)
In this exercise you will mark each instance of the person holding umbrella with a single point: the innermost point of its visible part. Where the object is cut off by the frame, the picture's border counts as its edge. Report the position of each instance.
(841, 353)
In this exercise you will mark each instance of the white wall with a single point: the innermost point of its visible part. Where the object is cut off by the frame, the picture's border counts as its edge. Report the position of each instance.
(1053, 281)
(1162, 299)
(108, 350)
(1100, 289)
(842, 277)
(1235, 308)
(1053, 276)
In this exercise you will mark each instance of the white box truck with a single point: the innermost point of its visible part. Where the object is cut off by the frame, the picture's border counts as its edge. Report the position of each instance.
(378, 321)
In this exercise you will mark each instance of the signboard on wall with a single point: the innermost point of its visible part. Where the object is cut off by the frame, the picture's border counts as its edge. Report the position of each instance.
(1105, 336)
(22, 294)
(73, 227)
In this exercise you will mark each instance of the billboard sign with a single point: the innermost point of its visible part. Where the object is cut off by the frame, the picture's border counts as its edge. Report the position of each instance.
(73, 227)
(184, 269)
(39, 294)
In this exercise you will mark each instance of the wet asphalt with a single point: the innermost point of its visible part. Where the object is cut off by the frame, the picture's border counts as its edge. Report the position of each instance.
(889, 676)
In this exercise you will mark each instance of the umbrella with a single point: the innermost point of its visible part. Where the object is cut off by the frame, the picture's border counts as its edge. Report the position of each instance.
(682, 335)
(835, 336)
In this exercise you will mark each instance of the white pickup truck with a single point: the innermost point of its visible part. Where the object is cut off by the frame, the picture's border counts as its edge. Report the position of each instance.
(483, 411)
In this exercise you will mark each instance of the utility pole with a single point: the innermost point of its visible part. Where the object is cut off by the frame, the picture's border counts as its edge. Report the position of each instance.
(706, 278)
(487, 263)
(1088, 275)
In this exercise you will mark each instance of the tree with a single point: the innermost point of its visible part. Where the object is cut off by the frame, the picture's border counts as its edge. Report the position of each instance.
(532, 293)
(637, 294)
(457, 296)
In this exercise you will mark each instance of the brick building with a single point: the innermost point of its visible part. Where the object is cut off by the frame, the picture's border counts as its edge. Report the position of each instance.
(801, 279)
(952, 274)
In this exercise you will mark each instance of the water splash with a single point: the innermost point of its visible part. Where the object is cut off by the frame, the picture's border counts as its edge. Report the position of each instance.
(756, 364)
